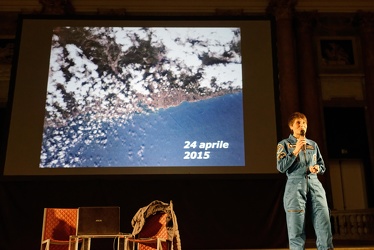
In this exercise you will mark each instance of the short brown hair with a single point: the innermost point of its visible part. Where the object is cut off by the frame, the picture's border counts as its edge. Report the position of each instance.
(294, 116)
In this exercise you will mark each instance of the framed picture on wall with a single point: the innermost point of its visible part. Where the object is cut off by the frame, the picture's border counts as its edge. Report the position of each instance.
(338, 55)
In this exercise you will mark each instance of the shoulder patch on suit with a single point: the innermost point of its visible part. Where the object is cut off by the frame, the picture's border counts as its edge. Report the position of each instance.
(280, 148)
(281, 155)
(280, 152)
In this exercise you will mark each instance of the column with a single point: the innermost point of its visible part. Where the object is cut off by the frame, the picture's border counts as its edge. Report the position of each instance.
(366, 24)
(288, 87)
(310, 89)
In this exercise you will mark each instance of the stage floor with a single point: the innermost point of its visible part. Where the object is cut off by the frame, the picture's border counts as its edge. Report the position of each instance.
(337, 247)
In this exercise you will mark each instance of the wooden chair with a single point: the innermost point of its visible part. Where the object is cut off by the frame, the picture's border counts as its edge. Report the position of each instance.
(155, 228)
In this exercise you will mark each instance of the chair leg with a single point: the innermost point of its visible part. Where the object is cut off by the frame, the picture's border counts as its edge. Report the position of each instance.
(125, 247)
(47, 245)
(159, 244)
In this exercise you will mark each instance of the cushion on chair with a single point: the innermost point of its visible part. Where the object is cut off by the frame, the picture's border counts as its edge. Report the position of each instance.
(155, 226)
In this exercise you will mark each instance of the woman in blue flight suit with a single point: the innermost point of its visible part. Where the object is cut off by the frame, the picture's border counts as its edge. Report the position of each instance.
(301, 160)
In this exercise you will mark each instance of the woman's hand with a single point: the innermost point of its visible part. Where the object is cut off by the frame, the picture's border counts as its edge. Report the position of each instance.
(300, 144)
(314, 169)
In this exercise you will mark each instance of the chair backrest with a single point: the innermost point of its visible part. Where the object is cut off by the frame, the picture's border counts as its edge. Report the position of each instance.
(59, 223)
(155, 226)
(145, 214)
(155, 220)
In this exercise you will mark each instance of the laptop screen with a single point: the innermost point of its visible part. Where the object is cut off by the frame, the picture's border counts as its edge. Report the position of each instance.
(98, 221)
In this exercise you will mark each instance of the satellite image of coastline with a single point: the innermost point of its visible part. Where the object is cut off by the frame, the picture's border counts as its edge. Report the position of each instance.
(130, 97)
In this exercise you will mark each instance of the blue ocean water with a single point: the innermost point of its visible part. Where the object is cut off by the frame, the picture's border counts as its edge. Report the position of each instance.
(177, 136)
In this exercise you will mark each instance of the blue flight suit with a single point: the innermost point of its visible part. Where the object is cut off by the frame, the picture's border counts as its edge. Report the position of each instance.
(302, 187)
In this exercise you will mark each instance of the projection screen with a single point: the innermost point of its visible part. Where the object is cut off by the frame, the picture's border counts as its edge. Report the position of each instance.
(136, 96)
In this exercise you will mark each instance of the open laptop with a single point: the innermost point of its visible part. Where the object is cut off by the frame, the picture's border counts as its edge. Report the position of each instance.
(98, 221)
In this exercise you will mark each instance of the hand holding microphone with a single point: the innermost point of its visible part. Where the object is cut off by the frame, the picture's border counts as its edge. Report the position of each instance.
(300, 144)
(302, 139)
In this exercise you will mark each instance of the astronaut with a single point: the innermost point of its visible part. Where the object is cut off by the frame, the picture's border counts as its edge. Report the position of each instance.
(301, 160)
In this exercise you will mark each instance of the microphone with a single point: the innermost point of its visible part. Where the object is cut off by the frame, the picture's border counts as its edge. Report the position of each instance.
(302, 133)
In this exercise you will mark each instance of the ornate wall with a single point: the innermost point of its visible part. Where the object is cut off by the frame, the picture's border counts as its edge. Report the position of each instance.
(309, 80)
